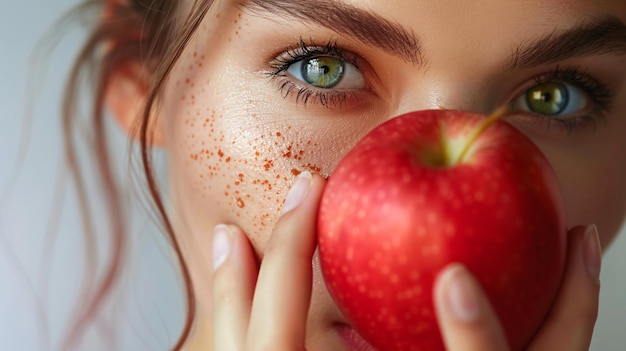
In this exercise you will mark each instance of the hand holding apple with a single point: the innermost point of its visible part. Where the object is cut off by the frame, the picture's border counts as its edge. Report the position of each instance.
(427, 189)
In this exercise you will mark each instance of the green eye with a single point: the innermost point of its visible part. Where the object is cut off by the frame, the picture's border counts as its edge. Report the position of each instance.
(323, 72)
(548, 99)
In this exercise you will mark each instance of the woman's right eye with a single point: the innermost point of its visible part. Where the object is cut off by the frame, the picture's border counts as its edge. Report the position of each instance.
(327, 72)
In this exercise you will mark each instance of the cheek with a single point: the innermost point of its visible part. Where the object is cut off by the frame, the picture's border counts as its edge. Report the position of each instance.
(244, 171)
(592, 184)
(234, 164)
(596, 196)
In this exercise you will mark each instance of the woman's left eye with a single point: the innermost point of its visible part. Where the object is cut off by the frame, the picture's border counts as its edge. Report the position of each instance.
(327, 72)
(552, 99)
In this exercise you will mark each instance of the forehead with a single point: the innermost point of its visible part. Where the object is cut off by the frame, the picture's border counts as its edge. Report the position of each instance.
(499, 14)
(446, 21)
(485, 10)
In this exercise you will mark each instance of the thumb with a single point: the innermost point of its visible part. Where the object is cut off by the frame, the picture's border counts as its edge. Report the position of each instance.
(466, 319)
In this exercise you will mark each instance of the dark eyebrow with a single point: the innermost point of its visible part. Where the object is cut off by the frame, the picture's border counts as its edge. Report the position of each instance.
(606, 36)
(366, 26)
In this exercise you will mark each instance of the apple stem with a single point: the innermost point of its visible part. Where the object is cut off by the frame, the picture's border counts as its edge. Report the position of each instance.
(491, 119)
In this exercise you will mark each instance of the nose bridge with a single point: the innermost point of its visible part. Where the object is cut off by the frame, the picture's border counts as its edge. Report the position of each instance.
(452, 92)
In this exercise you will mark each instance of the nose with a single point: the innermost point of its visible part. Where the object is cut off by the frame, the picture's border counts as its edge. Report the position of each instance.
(449, 93)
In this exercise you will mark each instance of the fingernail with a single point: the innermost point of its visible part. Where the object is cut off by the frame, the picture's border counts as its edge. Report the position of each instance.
(592, 252)
(461, 296)
(222, 243)
(298, 192)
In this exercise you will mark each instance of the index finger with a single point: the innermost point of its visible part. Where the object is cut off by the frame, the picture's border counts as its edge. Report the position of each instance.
(283, 293)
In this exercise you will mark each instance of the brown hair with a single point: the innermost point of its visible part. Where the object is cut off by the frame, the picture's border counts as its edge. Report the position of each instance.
(149, 33)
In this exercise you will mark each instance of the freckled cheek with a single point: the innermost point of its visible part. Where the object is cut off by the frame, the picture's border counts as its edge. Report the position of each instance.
(235, 163)
(245, 173)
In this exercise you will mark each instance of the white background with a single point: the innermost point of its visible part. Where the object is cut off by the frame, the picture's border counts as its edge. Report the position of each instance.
(152, 309)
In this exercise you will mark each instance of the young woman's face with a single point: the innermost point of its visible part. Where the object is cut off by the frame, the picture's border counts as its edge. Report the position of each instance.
(242, 114)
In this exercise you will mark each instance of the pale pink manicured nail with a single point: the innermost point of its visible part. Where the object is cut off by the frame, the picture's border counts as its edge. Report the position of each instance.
(592, 252)
(222, 245)
(298, 192)
(461, 296)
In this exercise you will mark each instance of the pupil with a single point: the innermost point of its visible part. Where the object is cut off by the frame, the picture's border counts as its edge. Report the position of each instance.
(547, 97)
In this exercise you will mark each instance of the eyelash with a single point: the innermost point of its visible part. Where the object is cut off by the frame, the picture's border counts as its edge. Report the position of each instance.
(304, 94)
(599, 94)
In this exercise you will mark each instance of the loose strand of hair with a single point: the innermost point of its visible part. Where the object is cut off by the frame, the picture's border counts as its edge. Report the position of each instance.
(143, 27)
(145, 132)
(93, 294)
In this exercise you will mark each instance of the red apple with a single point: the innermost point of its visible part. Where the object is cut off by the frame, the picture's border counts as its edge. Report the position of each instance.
(427, 189)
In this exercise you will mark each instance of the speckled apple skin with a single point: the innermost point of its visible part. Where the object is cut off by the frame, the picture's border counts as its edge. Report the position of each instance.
(388, 224)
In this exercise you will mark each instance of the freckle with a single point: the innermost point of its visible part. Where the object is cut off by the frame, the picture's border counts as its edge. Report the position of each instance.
(228, 159)
(278, 134)
(313, 168)
(226, 193)
(295, 172)
(220, 153)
